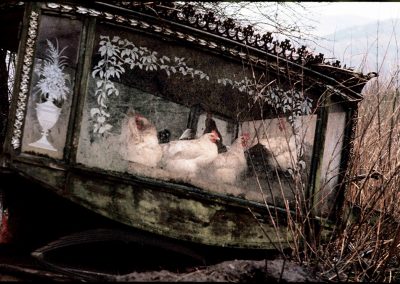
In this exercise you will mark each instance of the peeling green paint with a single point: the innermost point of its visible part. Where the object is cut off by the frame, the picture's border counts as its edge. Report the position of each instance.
(178, 216)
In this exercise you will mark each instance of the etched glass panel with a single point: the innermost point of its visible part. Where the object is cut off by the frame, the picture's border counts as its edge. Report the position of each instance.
(52, 84)
(170, 112)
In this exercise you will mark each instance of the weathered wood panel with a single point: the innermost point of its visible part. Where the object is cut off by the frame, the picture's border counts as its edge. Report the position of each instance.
(178, 215)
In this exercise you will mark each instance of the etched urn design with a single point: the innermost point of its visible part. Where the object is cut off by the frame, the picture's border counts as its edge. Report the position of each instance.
(47, 114)
(52, 85)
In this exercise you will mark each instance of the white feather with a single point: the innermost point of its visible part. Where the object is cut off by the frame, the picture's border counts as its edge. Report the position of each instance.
(140, 146)
(188, 156)
(187, 134)
(284, 155)
(229, 166)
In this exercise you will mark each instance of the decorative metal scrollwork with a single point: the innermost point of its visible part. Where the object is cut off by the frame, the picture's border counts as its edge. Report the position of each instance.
(186, 14)
(25, 79)
(227, 28)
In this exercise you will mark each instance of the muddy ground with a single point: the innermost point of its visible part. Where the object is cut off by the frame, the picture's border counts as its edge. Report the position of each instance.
(232, 271)
(19, 266)
(247, 271)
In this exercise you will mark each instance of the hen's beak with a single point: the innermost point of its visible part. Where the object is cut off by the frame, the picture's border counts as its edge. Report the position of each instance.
(215, 138)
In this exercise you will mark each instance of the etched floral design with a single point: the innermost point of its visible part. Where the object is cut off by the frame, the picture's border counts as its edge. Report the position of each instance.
(115, 54)
(291, 102)
(53, 81)
(53, 89)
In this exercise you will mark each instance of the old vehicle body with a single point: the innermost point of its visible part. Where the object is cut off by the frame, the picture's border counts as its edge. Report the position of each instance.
(92, 66)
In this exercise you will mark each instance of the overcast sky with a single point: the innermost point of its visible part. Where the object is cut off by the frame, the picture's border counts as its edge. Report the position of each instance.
(352, 32)
(373, 10)
(350, 13)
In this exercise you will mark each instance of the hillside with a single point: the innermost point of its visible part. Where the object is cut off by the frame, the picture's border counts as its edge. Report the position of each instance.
(362, 46)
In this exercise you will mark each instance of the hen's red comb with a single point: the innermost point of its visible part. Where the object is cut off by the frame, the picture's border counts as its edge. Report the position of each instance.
(246, 135)
(215, 132)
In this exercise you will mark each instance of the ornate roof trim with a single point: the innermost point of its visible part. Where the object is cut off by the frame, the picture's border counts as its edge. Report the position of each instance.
(187, 16)
(346, 79)
(228, 28)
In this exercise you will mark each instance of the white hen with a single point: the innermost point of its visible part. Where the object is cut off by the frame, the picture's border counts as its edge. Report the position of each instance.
(139, 141)
(282, 150)
(228, 166)
(186, 157)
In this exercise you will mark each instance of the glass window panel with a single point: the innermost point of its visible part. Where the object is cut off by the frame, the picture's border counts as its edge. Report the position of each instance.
(278, 158)
(52, 86)
(110, 151)
(150, 101)
(330, 169)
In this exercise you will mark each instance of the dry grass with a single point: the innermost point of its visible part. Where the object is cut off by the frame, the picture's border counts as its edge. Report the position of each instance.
(365, 245)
